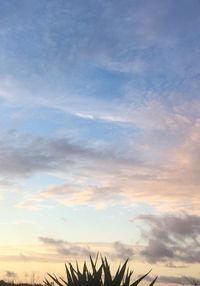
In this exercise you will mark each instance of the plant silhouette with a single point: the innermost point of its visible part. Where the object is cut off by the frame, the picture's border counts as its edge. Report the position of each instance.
(98, 276)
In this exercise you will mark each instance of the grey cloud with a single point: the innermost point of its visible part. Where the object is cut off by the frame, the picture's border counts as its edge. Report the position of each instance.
(36, 154)
(116, 250)
(25, 156)
(123, 251)
(171, 238)
(179, 226)
(51, 241)
(74, 250)
(65, 248)
(157, 251)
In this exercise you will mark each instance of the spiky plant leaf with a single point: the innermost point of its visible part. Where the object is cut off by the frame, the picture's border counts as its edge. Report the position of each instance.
(120, 275)
(152, 283)
(69, 278)
(65, 282)
(99, 276)
(55, 279)
(47, 283)
(140, 279)
(127, 278)
(85, 271)
(107, 273)
(93, 264)
(73, 274)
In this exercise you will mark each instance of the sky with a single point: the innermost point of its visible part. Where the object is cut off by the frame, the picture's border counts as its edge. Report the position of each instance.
(99, 136)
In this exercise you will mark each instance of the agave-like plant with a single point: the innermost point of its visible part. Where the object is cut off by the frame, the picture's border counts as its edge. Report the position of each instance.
(99, 276)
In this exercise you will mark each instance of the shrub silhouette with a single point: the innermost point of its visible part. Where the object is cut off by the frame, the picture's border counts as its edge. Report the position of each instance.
(100, 276)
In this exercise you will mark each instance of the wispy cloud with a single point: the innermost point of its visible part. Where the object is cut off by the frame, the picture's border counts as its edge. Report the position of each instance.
(117, 178)
(66, 249)
(116, 250)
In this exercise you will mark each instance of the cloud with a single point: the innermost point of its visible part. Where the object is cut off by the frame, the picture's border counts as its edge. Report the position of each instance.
(139, 173)
(24, 157)
(159, 160)
(123, 251)
(38, 155)
(116, 250)
(171, 238)
(51, 250)
(51, 241)
(80, 195)
(65, 248)
(157, 251)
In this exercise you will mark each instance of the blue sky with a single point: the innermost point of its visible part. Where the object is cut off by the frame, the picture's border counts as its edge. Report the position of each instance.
(99, 133)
